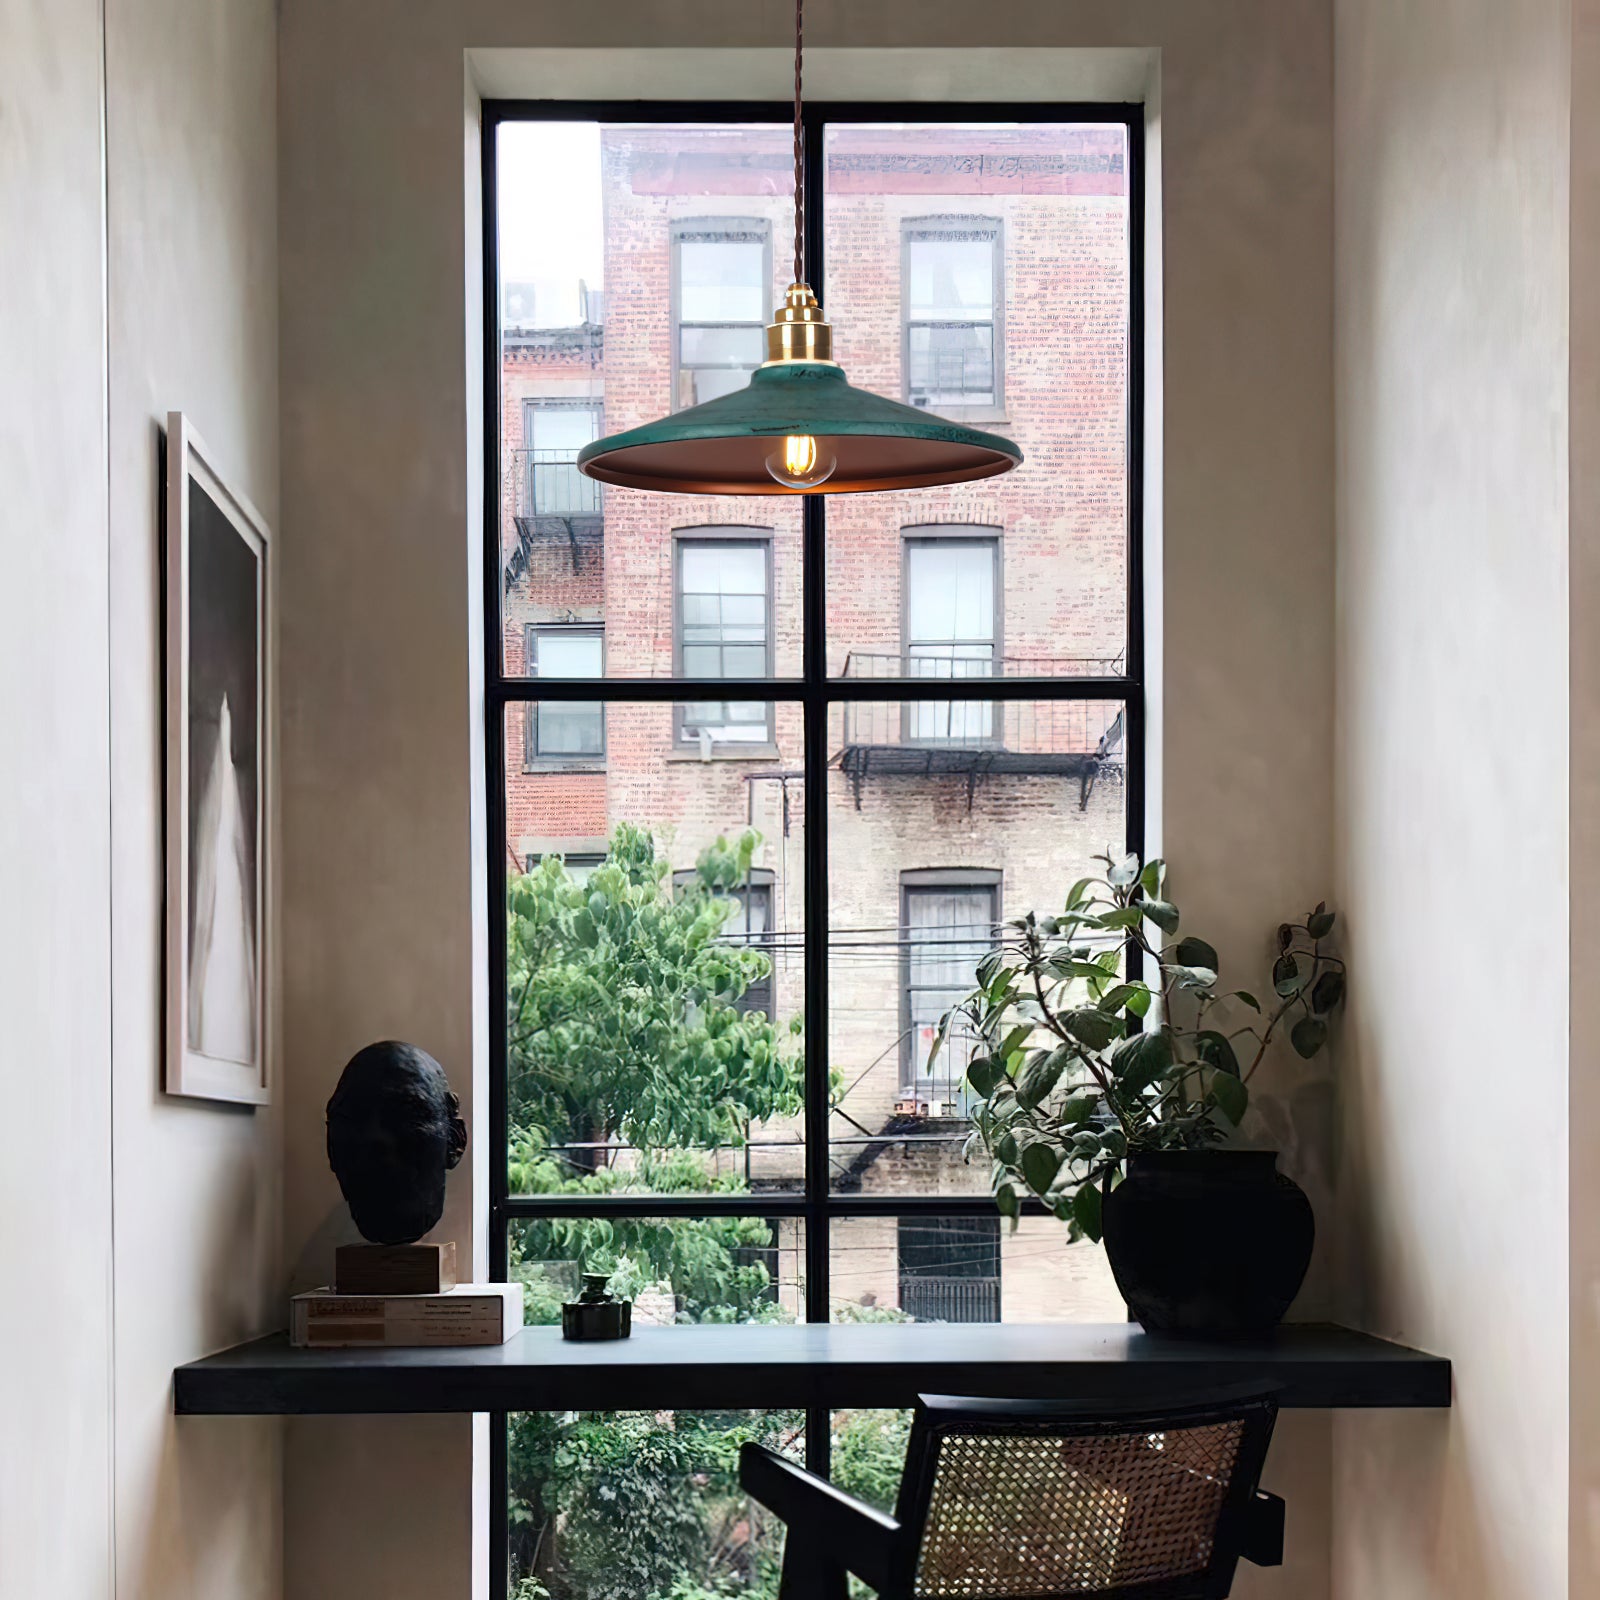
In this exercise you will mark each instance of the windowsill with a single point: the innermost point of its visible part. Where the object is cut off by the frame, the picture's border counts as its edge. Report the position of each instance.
(557, 764)
(995, 421)
(743, 752)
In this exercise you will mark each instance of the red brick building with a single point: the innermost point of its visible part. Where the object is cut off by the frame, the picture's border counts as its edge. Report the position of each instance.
(981, 273)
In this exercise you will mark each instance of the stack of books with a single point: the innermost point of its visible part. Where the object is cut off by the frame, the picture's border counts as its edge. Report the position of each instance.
(467, 1314)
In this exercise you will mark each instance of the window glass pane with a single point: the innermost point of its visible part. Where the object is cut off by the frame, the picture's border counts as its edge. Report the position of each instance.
(966, 1269)
(607, 234)
(625, 1505)
(562, 428)
(913, 303)
(951, 278)
(570, 727)
(724, 347)
(930, 845)
(722, 280)
(658, 1048)
(950, 591)
(569, 655)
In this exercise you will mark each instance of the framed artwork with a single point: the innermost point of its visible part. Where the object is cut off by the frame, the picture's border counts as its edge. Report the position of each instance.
(218, 678)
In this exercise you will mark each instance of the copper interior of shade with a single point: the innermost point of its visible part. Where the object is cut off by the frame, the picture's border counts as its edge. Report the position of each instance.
(738, 465)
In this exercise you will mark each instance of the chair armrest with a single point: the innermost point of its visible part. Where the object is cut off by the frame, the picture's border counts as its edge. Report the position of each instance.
(856, 1536)
(1263, 1530)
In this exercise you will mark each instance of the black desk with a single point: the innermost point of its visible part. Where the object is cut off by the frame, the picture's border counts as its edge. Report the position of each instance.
(734, 1368)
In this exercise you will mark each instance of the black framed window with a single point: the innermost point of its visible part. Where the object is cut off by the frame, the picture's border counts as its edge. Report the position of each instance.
(723, 281)
(722, 626)
(954, 289)
(857, 774)
(565, 732)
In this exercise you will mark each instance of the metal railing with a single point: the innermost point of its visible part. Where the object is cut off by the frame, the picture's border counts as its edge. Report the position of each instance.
(947, 1299)
(1046, 727)
(550, 485)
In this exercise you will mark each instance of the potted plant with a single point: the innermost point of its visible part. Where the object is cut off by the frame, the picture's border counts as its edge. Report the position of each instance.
(1112, 1075)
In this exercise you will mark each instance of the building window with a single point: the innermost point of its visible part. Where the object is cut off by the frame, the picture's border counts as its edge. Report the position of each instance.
(749, 923)
(566, 732)
(951, 621)
(950, 1268)
(554, 432)
(722, 613)
(723, 287)
(953, 288)
(947, 925)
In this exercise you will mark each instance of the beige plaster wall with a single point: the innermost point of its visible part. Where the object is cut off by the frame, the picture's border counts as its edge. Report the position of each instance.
(138, 273)
(1451, 302)
(192, 248)
(55, 932)
(380, 709)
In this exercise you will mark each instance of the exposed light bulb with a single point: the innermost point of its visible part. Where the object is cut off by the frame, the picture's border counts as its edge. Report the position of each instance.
(800, 464)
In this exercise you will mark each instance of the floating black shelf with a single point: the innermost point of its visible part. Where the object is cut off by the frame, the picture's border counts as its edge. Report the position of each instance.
(817, 1364)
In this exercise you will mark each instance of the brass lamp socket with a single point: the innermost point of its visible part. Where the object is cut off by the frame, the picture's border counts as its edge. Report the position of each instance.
(799, 332)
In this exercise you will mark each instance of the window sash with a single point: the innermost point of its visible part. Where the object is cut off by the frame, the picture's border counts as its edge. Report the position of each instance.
(566, 730)
(723, 629)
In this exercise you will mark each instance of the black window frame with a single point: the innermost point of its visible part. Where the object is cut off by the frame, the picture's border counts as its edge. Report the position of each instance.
(752, 229)
(818, 1206)
(960, 226)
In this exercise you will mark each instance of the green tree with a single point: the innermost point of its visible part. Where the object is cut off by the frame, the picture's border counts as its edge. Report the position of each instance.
(622, 1005)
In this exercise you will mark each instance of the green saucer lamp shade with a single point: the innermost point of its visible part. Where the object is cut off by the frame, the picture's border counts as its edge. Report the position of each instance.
(807, 412)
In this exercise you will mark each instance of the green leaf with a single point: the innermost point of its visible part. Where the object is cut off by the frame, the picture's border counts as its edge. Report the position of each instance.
(1320, 923)
(1086, 1211)
(1248, 998)
(1115, 921)
(1231, 1096)
(1007, 1149)
(1124, 873)
(1192, 952)
(983, 1073)
(1006, 1198)
(1091, 1027)
(1014, 1038)
(1078, 895)
(1139, 1001)
(1153, 876)
(1041, 1076)
(1161, 912)
(1327, 991)
(1308, 1036)
(1040, 1163)
(1123, 994)
(1140, 1059)
(1287, 978)
(1192, 977)
(1077, 1109)
(1215, 1050)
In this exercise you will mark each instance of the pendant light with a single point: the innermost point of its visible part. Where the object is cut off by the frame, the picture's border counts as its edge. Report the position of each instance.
(798, 427)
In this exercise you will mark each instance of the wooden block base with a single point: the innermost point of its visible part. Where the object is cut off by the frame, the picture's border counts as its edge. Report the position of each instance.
(395, 1268)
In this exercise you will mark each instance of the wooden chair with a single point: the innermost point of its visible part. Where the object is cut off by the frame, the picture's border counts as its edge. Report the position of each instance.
(1023, 1499)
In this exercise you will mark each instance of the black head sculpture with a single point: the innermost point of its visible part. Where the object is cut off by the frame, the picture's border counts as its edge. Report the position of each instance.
(394, 1130)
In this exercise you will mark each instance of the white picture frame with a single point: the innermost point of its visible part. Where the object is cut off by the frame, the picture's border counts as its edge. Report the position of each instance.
(218, 789)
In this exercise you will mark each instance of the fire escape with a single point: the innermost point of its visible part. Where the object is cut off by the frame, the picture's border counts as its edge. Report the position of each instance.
(977, 739)
(554, 502)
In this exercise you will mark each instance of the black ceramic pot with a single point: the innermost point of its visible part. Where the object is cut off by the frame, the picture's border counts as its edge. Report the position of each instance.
(1208, 1244)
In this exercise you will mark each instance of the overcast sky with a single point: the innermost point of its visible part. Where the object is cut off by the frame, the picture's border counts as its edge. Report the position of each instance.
(550, 222)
